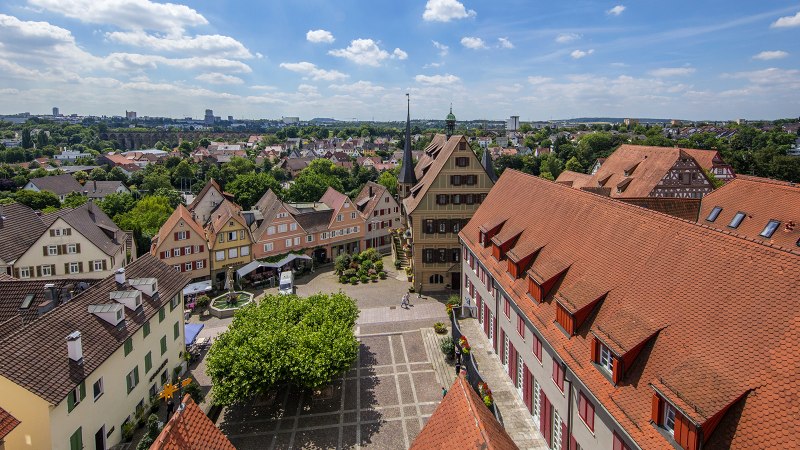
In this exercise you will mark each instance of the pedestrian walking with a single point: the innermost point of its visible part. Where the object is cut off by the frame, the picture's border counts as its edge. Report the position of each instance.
(458, 368)
(404, 301)
(419, 291)
(444, 392)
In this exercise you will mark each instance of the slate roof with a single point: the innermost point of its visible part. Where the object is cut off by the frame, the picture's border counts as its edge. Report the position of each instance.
(90, 221)
(366, 203)
(7, 423)
(13, 291)
(649, 165)
(190, 429)
(57, 184)
(100, 189)
(20, 227)
(462, 421)
(718, 313)
(762, 200)
(35, 357)
(181, 212)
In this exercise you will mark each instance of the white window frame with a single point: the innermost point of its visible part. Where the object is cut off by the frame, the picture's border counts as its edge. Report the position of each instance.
(72, 249)
(187, 266)
(339, 217)
(181, 235)
(556, 443)
(669, 418)
(606, 359)
(187, 250)
(520, 375)
(24, 272)
(297, 241)
(287, 243)
(352, 215)
(219, 255)
(282, 228)
(47, 270)
(268, 247)
(270, 231)
(131, 376)
(233, 252)
(52, 250)
(168, 253)
(73, 268)
(310, 238)
(232, 236)
(244, 250)
(97, 265)
(177, 268)
(537, 397)
(293, 227)
(199, 264)
(56, 231)
(506, 347)
(96, 383)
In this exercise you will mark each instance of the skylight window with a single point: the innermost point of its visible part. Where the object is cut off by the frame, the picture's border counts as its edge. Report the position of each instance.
(737, 220)
(769, 230)
(712, 216)
(26, 302)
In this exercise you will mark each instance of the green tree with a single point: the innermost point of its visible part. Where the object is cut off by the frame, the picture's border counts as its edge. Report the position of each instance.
(174, 196)
(182, 171)
(283, 340)
(155, 177)
(574, 165)
(551, 165)
(80, 176)
(204, 142)
(547, 176)
(37, 200)
(249, 187)
(388, 179)
(98, 174)
(145, 219)
(73, 200)
(117, 203)
(41, 139)
(116, 174)
(27, 142)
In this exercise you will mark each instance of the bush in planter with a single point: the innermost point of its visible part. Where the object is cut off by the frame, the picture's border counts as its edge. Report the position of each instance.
(343, 279)
(397, 264)
(342, 263)
(349, 273)
(447, 347)
(374, 277)
(364, 278)
(154, 404)
(194, 390)
(367, 264)
(127, 431)
(353, 280)
(378, 265)
(382, 275)
(371, 255)
(440, 328)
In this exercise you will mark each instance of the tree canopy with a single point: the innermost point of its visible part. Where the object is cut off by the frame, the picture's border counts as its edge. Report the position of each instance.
(283, 340)
(249, 187)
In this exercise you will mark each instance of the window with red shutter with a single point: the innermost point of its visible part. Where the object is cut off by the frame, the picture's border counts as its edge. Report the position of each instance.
(618, 444)
(586, 411)
(521, 326)
(558, 375)
(506, 307)
(537, 347)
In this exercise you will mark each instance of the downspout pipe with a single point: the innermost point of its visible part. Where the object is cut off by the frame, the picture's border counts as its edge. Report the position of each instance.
(569, 408)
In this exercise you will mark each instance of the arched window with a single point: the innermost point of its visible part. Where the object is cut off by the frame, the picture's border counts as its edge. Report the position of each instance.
(436, 279)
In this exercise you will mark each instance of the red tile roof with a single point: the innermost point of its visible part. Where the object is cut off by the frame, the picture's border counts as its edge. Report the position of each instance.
(762, 200)
(190, 429)
(718, 312)
(573, 179)
(168, 228)
(365, 202)
(7, 423)
(682, 208)
(462, 421)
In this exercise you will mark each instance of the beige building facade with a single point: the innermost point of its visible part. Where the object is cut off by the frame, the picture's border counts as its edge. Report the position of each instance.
(181, 243)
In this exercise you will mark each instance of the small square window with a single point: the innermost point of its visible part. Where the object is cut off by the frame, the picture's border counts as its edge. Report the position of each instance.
(97, 388)
(769, 230)
(712, 216)
(737, 220)
(606, 359)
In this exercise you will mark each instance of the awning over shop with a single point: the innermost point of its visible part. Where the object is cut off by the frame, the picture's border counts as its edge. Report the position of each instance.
(246, 269)
(197, 288)
(191, 331)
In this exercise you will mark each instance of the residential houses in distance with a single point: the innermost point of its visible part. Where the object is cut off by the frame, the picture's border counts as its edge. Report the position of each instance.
(76, 375)
(439, 196)
(60, 185)
(615, 323)
(75, 243)
(181, 243)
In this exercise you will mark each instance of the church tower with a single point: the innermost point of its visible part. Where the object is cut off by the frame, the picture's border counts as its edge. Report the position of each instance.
(450, 123)
(407, 179)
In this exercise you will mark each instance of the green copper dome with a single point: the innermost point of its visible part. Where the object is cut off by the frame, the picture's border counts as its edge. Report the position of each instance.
(451, 116)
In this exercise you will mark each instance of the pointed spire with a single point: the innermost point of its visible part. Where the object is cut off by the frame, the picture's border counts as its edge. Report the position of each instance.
(407, 173)
(486, 162)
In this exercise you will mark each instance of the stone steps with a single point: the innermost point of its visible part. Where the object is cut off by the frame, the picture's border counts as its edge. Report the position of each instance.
(445, 371)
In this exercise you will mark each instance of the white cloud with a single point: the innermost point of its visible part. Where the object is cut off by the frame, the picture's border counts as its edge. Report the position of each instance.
(509, 88)
(263, 87)
(313, 72)
(672, 72)
(363, 52)
(432, 65)
(788, 21)
(445, 11)
(770, 77)
(360, 88)
(319, 36)
(218, 78)
(578, 54)
(41, 45)
(437, 80)
(538, 80)
(203, 44)
(126, 14)
(399, 54)
(443, 49)
(773, 54)
(565, 38)
(474, 43)
(505, 43)
(615, 11)
(135, 61)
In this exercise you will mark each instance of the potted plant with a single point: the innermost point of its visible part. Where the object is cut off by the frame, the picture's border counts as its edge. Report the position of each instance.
(202, 303)
(364, 278)
(353, 280)
(486, 394)
(397, 264)
(382, 275)
(439, 328)
(409, 273)
(447, 347)
(464, 344)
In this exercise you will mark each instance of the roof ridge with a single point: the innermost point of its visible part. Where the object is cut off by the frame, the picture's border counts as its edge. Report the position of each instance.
(770, 181)
(659, 213)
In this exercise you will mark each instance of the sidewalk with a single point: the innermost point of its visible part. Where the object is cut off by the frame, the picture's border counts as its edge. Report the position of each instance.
(517, 421)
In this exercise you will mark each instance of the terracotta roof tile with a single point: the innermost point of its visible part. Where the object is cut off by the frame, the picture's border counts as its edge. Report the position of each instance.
(13, 292)
(573, 179)
(462, 421)
(190, 429)
(683, 208)
(7, 423)
(181, 212)
(717, 312)
(429, 165)
(762, 200)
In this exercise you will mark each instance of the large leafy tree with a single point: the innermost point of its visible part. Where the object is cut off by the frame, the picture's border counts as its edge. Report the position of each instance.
(283, 340)
(37, 200)
(388, 179)
(73, 200)
(117, 203)
(248, 188)
(145, 219)
(312, 182)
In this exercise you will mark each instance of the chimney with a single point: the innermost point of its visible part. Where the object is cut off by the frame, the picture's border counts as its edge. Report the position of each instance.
(74, 347)
(50, 293)
(370, 190)
(119, 276)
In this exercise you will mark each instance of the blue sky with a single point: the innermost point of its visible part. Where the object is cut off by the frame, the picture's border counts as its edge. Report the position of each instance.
(715, 59)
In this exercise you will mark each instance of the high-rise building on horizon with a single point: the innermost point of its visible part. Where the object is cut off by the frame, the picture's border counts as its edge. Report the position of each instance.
(55, 111)
(209, 117)
(130, 115)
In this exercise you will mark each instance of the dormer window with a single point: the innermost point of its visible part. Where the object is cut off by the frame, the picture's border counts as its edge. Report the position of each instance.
(669, 419)
(606, 361)
(769, 230)
(737, 220)
(712, 216)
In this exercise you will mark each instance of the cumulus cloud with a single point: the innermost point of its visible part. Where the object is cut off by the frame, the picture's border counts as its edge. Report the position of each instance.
(319, 36)
(126, 14)
(615, 11)
(364, 52)
(564, 38)
(313, 72)
(432, 65)
(578, 54)
(672, 72)
(437, 80)
(399, 54)
(788, 21)
(474, 43)
(135, 61)
(773, 76)
(203, 44)
(361, 88)
(505, 43)
(773, 54)
(445, 11)
(443, 49)
(538, 79)
(218, 78)
(42, 44)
